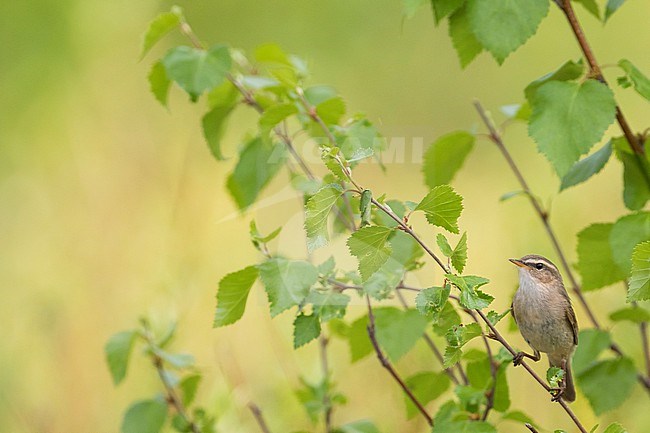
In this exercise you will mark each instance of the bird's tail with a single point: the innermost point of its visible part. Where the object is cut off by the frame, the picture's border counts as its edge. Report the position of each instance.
(569, 393)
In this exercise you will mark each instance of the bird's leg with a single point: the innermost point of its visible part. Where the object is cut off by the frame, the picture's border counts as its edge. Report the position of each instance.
(516, 360)
(558, 392)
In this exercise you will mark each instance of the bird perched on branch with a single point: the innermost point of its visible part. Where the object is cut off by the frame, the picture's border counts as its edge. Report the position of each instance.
(542, 309)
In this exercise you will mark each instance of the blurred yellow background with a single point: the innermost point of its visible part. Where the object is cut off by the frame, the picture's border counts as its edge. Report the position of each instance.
(112, 207)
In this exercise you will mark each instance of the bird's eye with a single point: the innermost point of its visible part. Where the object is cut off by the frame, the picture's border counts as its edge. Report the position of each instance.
(539, 266)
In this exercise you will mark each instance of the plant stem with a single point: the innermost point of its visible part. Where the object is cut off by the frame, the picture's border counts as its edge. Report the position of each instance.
(531, 428)
(388, 366)
(327, 403)
(496, 138)
(259, 417)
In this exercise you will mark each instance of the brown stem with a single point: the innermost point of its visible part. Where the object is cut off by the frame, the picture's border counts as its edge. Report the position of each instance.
(531, 428)
(431, 344)
(569, 13)
(388, 366)
(259, 417)
(327, 403)
(643, 327)
(496, 138)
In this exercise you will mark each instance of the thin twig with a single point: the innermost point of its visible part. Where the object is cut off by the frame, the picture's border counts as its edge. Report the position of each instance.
(388, 366)
(496, 138)
(327, 402)
(531, 428)
(430, 342)
(259, 417)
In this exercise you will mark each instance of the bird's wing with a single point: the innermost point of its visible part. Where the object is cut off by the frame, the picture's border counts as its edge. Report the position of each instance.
(512, 311)
(573, 322)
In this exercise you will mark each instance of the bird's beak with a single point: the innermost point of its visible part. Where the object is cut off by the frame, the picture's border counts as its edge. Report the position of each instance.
(519, 263)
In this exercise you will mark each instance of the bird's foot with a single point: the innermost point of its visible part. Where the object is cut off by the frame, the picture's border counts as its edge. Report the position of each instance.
(557, 393)
(516, 360)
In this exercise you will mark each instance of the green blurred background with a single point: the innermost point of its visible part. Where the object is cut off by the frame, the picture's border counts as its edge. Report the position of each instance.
(112, 207)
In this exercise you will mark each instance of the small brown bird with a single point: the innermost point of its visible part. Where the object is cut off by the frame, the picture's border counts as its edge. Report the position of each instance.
(542, 309)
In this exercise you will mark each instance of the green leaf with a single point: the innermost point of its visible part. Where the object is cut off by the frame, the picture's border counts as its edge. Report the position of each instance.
(159, 27)
(398, 330)
(442, 207)
(517, 111)
(431, 301)
(502, 26)
(360, 141)
(188, 386)
(639, 287)
(259, 161)
(459, 256)
(327, 267)
(118, 351)
(426, 386)
(370, 246)
(462, 36)
(445, 157)
(616, 376)
(632, 314)
(358, 341)
(591, 6)
(443, 244)
(636, 174)
(159, 83)
(518, 416)
(287, 283)
(640, 82)
(329, 305)
(612, 6)
(457, 337)
(444, 8)
(305, 329)
(569, 71)
(232, 295)
(591, 343)
(587, 167)
(197, 70)
(501, 390)
(569, 118)
(554, 376)
(365, 207)
(177, 360)
(331, 110)
(318, 208)
(213, 122)
(145, 416)
(495, 317)
(256, 236)
(615, 428)
(470, 296)
(595, 260)
(410, 7)
(358, 427)
(627, 232)
(448, 318)
(274, 115)
(511, 194)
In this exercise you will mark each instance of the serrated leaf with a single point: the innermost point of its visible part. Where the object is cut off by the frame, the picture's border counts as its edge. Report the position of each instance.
(587, 167)
(188, 386)
(445, 157)
(118, 351)
(431, 301)
(358, 427)
(502, 26)
(197, 70)
(595, 260)
(631, 314)
(554, 375)
(370, 246)
(569, 118)
(426, 386)
(327, 267)
(591, 343)
(398, 330)
(259, 161)
(627, 232)
(443, 244)
(145, 416)
(442, 207)
(331, 110)
(328, 305)
(444, 8)
(159, 27)
(159, 84)
(617, 376)
(287, 283)
(639, 285)
(640, 82)
(495, 317)
(222, 100)
(612, 6)
(459, 256)
(462, 36)
(275, 114)
(636, 174)
(569, 71)
(305, 329)
(470, 296)
(318, 208)
(232, 295)
(360, 141)
(448, 318)
(519, 416)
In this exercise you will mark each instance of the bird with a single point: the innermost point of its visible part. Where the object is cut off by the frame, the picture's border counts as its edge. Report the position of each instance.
(542, 310)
